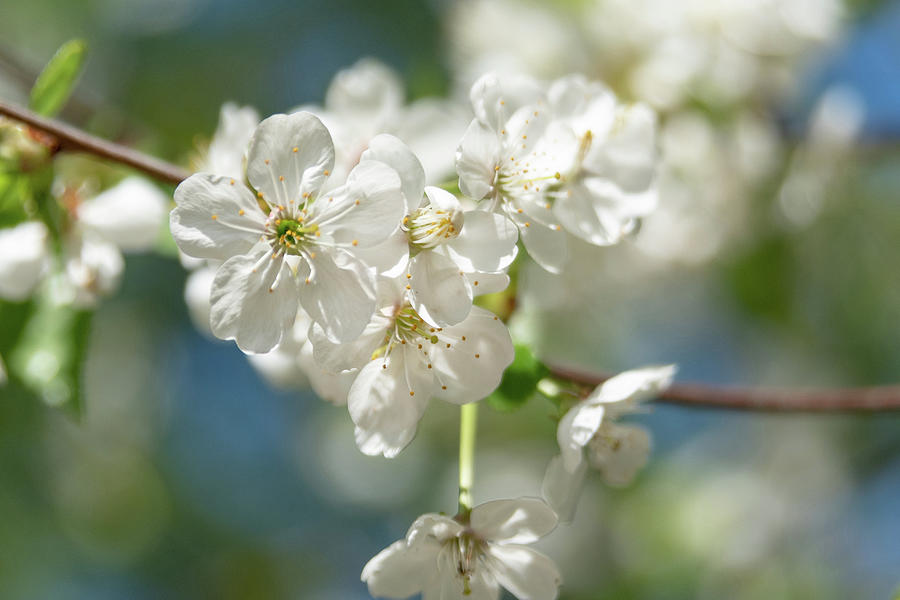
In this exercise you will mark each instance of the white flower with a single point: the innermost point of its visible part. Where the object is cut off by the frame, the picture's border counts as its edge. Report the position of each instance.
(129, 215)
(402, 361)
(618, 451)
(368, 99)
(449, 254)
(227, 151)
(282, 366)
(447, 559)
(573, 159)
(608, 184)
(288, 240)
(93, 269)
(24, 258)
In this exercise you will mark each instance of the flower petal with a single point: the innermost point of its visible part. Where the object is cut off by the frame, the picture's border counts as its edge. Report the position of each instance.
(23, 259)
(518, 521)
(620, 453)
(253, 300)
(635, 385)
(487, 242)
(432, 525)
(389, 258)
(336, 357)
(471, 368)
(290, 157)
(365, 211)
(129, 214)
(327, 386)
(576, 429)
(214, 218)
(595, 213)
(526, 573)
(476, 157)
(197, 288)
(546, 245)
(628, 156)
(442, 199)
(399, 571)
(397, 155)
(488, 283)
(228, 148)
(338, 293)
(367, 89)
(562, 488)
(439, 291)
(386, 402)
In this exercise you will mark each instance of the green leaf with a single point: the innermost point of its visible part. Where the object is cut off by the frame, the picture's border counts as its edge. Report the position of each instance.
(55, 83)
(14, 193)
(519, 381)
(50, 350)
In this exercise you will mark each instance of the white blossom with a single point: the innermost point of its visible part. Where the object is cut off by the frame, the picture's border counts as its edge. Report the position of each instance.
(288, 240)
(227, 151)
(447, 254)
(24, 259)
(569, 158)
(617, 451)
(368, 99)
(470, 558)
(401, 361)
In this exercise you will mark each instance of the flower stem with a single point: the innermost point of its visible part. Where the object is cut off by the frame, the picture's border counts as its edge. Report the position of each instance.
(468, 424)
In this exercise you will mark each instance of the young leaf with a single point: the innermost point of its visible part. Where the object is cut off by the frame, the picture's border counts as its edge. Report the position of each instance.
(519, 381)
(55, 83)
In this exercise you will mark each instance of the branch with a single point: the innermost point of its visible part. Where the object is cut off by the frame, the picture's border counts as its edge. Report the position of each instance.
(75, 140)
(865, 399)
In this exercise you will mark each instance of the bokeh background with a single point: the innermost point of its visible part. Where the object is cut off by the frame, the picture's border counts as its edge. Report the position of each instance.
(777, 261)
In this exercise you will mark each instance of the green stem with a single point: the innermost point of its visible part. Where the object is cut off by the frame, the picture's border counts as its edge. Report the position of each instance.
(468, 424)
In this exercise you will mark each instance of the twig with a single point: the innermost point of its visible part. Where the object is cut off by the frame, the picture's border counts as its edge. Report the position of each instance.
(73, 139)
(864, 399)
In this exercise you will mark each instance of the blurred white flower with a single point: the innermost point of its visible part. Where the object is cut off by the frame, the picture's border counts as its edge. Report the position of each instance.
(24, 259)
(403, 361)
(282, 366)
(617, 451)
(129, 215)
(304, 247)
(227, 151)
(368, 99)
(447, 559)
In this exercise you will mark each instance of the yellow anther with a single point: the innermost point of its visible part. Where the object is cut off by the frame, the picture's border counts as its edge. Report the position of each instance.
(214, 217)
(412, 393)
(527, 224)
(477, 356)
(231, 182)
(267, 161)
(281, 178)
(241, 212)
(327, 173)
(355, 242)
(295, 150)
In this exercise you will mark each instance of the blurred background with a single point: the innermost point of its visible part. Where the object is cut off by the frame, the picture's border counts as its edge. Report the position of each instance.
(774, 259)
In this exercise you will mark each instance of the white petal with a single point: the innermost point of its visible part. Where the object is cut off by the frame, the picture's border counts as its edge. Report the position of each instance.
(397, 155)
(628, 155)
(365, 211)
(545, 245)
(228, 148)
(495, 99)
(442, 199)
(129, 214)
(399, 571)
(476, 157)
(620, 452)
(253, 300)
(432, 128)
(432, 525)
(386, 402)
(335, 357)
(487, 242)
(519, 521)
(562, 488)
(197, 288)
(389, 258)
(214, 218)
(23, 259)
(576, 429)
(367, 89)
(93, 268)
(488, 283)
(635, 385)
(440, 293)
(279, 368)
(471, 369)
(526, 573)
(330, 387)
(338, 293)
(595, 213)
(282, 175)
(448, 585)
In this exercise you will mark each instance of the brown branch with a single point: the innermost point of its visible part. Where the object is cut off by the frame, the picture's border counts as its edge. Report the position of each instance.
(74, 140)
(864, 399)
